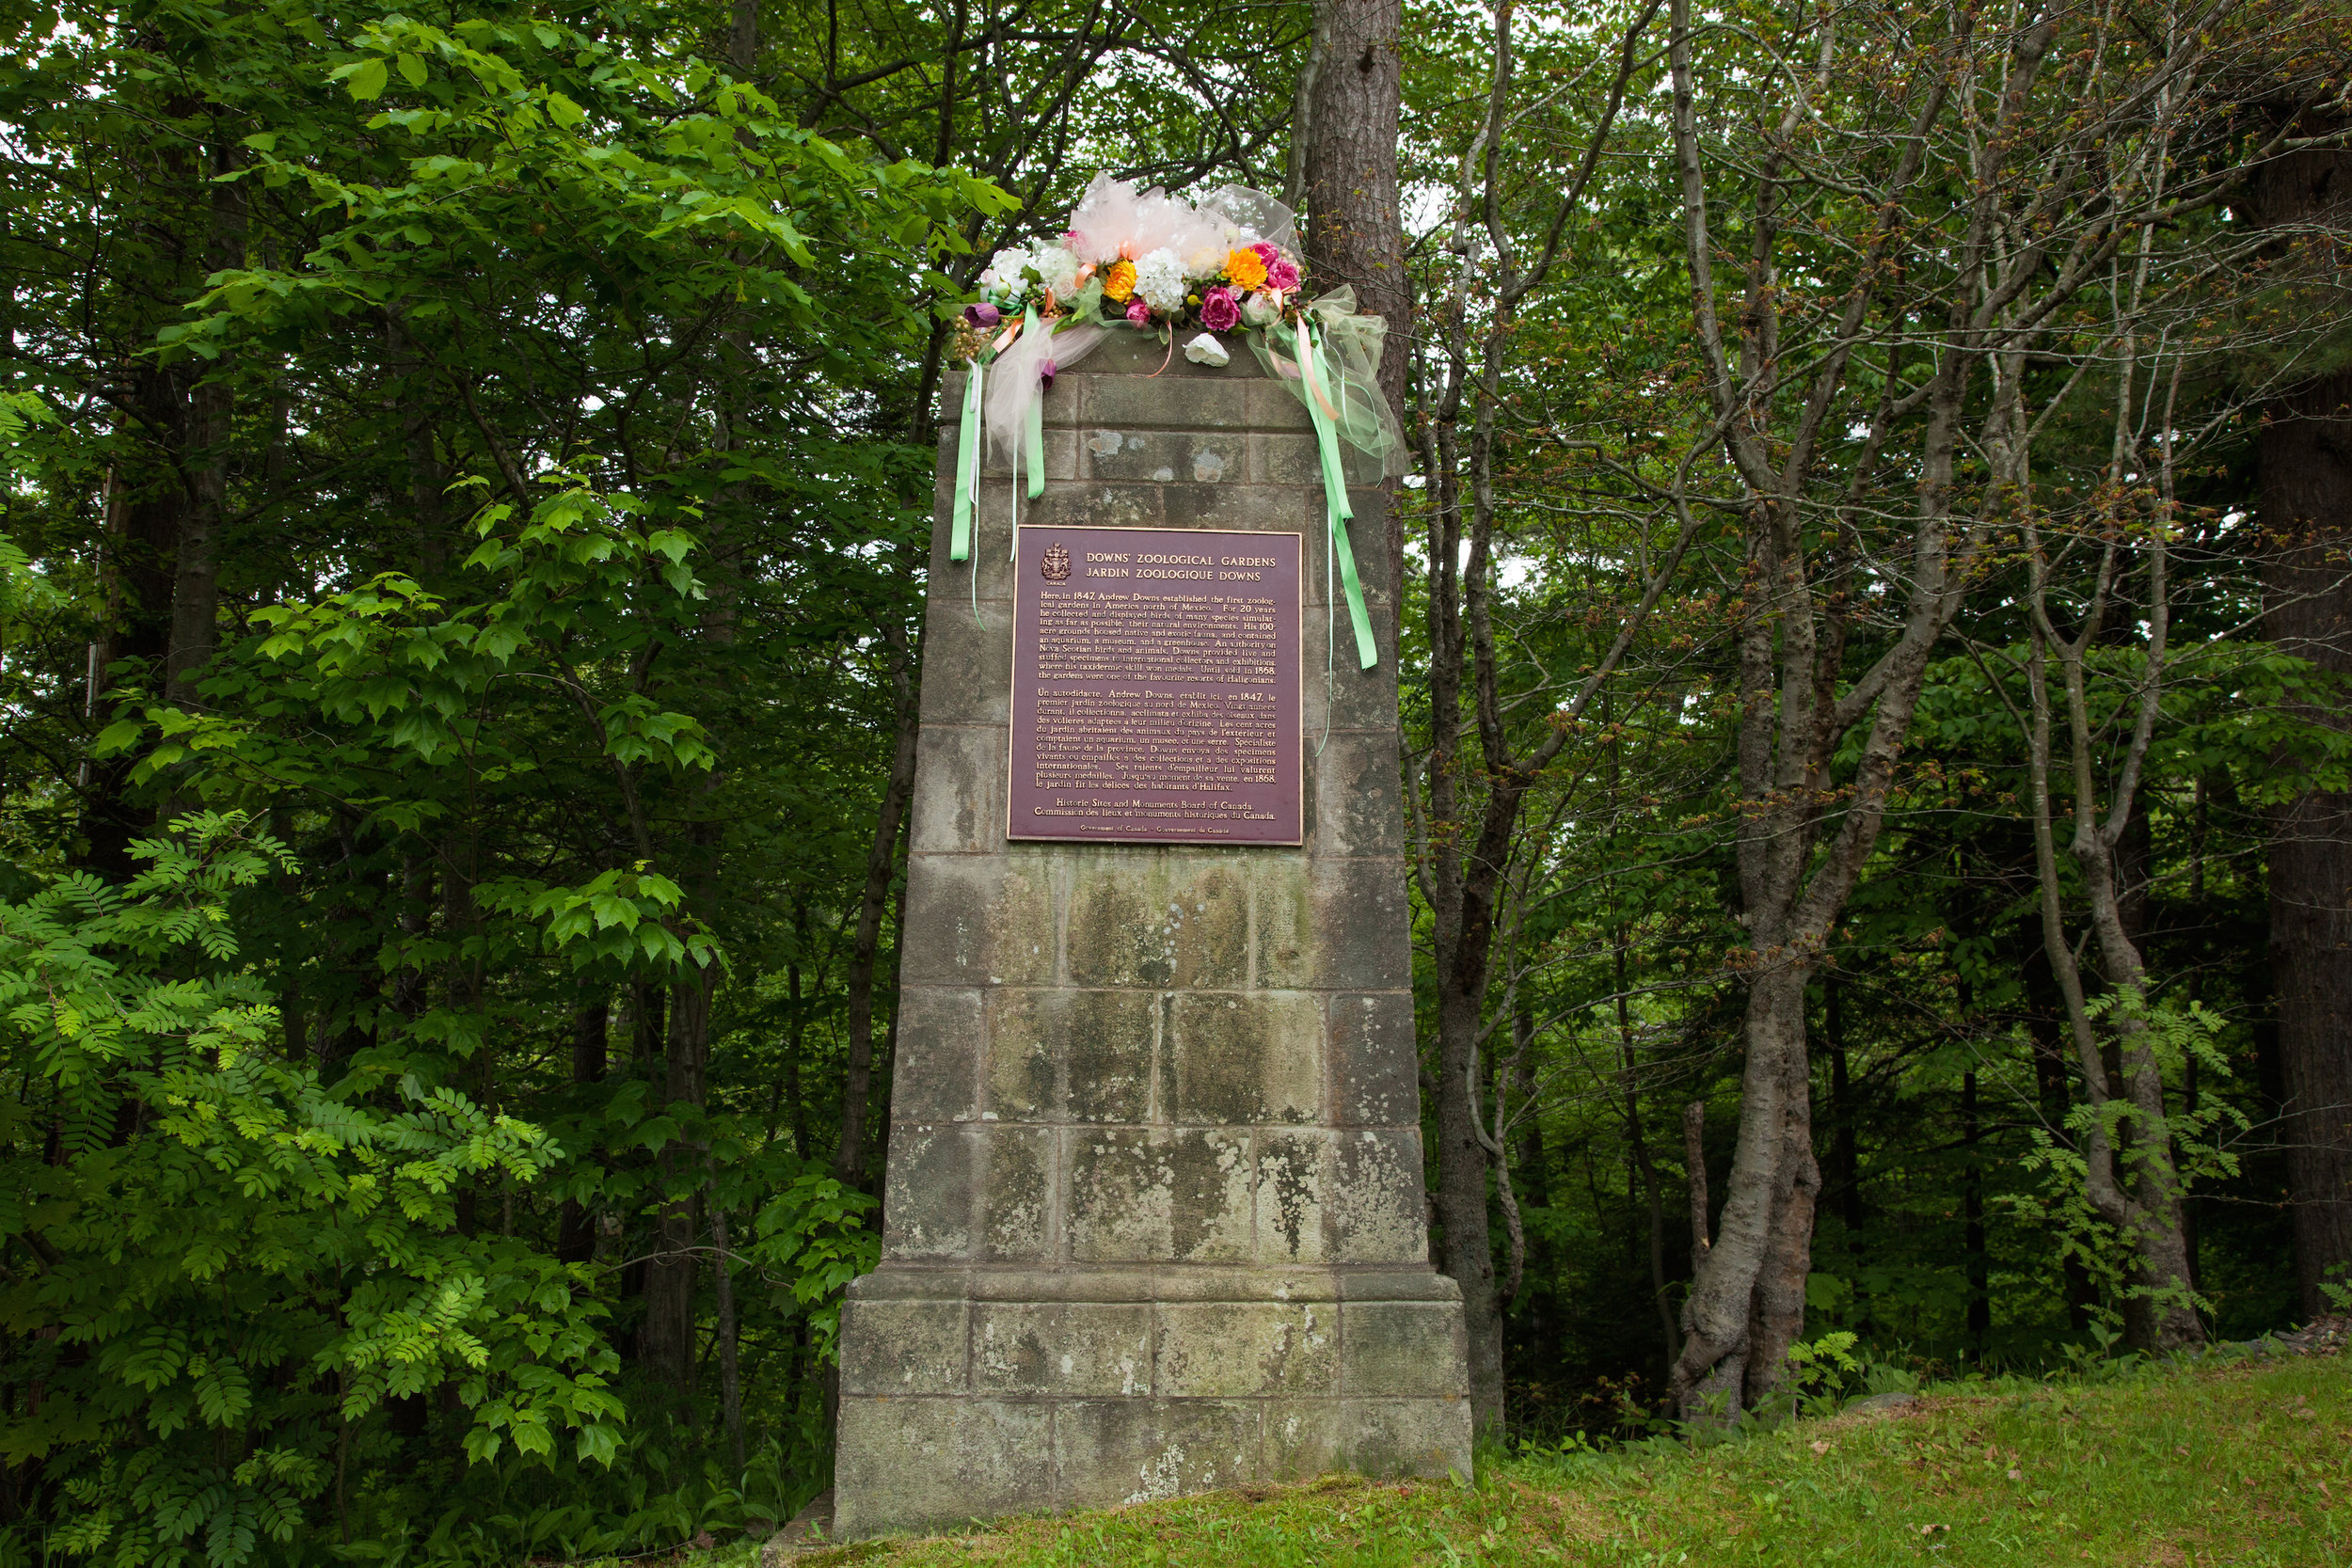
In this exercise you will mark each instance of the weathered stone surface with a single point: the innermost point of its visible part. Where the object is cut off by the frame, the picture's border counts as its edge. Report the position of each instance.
(1144, 1196)
(1163, 457)
(1246, 1348)
(1072, 1056)
(1132, 1451)
(931, 1463)
(1376, 1210)
(1354, 799)
(1202, 402)
(1153, 1198)
(1244, 1057)
(1374, 1053)
(1158, 917)
(976, 642)
(977, 920)
(1403, 1348)
(1070, 1349)
(1294, 1193)
(936, 1076)
(963, 811)
(901, 1348)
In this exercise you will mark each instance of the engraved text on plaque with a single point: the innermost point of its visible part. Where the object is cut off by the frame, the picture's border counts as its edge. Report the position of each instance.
(1156, 686)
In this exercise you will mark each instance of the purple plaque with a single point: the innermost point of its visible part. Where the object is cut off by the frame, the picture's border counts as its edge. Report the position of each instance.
(1155, 677)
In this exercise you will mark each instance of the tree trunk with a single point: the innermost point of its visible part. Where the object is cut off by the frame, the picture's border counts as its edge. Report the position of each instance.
(882, 861)
(204, 462)
(667, 1340)
(2305, 505)
(1349, 96)
(576, 1234)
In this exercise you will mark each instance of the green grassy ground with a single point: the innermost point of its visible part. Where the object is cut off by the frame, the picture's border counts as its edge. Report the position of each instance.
(2247, 1464)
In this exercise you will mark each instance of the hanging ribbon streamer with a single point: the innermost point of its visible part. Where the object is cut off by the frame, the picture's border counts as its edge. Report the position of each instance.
(1335, 503)
(967, 468)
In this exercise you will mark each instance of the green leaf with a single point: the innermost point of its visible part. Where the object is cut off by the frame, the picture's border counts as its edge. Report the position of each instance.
(368, 82)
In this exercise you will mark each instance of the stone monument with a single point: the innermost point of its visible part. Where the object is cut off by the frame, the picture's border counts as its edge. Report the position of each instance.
(1154, 1219)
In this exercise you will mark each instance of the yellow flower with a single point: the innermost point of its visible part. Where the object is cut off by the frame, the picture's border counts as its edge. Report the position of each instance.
(1245, 269)
(1119, 282)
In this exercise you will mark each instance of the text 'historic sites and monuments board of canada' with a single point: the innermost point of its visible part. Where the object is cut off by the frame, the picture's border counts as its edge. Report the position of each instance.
(1156, 686)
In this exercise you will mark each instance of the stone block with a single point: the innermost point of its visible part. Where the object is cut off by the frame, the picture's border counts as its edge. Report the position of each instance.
(1061, 456)
(1163, 456)
(1295, 1171)
(935, 1077)
(1239, 1350)
(1386, 1439)
(1243, 1058)
(899, 1348)
(1062, 1349)
(1126, 351)
(991, 548)
(1017, 1193)
(1137, 403)
(1112, 1452)
(1143, 1197)
(1394, 1438)
(1340, 692)
(927, 1191)
(1377, 1213)
(1157, 918)
(1363, 924)
(1096, 506)
(1282, 924)
(959, 803)
(975, 919)
(1247, 509)
(933, 1464)
(1079, 1056)
(1365, 534)
(1277, 457)
(1375, 1060)
(1402, 1349)
(1273, 406)
(967, 659)
(1354, 795)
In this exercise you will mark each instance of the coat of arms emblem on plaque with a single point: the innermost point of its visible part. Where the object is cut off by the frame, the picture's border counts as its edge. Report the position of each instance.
(1055, 567)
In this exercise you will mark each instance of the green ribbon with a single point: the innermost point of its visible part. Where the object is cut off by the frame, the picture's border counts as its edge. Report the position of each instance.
(1335, 503)
(967, 468)
(1033, 438)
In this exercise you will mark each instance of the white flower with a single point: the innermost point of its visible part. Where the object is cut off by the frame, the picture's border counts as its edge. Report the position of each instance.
(1003, 275)
(1059, 268)
(1206, 350)
(1258, 310)
(1160, 279)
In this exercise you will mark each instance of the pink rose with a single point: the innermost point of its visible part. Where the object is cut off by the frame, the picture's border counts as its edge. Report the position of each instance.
(1219, 311)
(1281, 276)
(1138, 312)
(1269, 254)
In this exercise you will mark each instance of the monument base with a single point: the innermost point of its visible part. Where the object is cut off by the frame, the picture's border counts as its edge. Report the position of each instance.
(971, 1392)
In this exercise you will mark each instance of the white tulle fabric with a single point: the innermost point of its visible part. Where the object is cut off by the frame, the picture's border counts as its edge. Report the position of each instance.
(1016, 380)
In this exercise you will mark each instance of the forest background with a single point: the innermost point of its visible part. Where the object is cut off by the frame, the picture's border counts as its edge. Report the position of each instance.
(1873, 642)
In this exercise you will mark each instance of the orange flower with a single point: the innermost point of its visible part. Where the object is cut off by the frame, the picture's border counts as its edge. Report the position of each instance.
(1245, 269)
(1119, 282)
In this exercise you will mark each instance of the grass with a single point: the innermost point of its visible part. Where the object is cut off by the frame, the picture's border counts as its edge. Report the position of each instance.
(2246, 1463)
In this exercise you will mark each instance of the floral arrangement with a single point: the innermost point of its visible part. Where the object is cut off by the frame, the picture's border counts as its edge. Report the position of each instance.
(1150, 261)
(1147, 261)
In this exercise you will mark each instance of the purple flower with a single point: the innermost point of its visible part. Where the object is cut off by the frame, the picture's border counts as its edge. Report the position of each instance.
(1045, 374)
(1281, 274)
(1137, 312)
(1219, 311)
(982, 315)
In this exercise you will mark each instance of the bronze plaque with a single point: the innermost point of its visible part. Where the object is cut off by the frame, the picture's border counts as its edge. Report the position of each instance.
(1156, 686)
